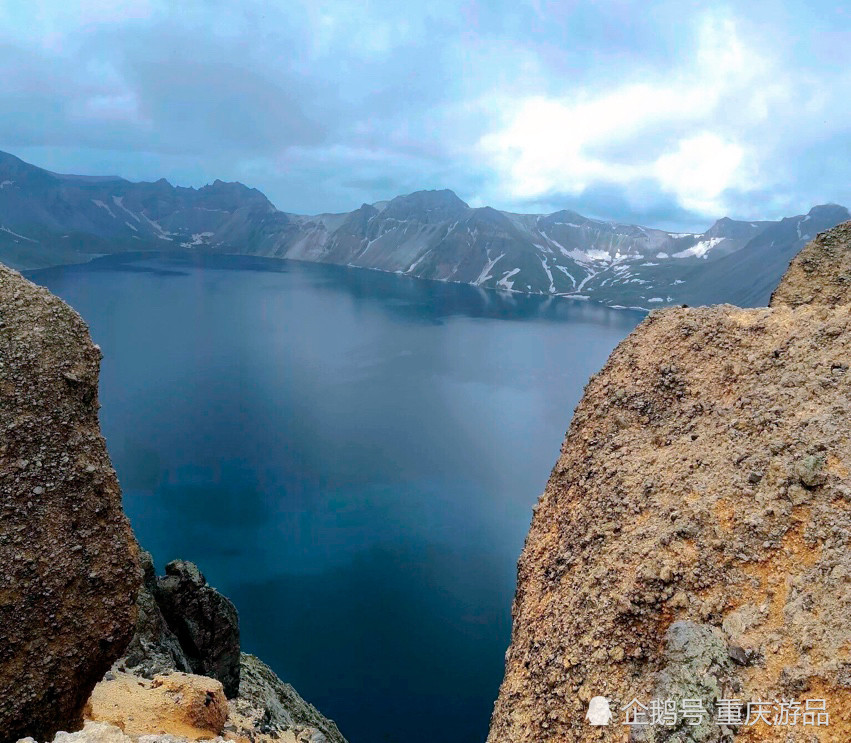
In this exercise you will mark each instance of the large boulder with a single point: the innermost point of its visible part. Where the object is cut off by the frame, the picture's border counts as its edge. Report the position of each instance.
(68, 562)
(692, 543)
(180, 704)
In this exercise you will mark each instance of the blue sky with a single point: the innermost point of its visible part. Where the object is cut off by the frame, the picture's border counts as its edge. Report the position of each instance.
(662, 113)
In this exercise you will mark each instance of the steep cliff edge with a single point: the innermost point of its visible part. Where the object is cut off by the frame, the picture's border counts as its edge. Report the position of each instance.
(71, 594)
(692, 542)
(68, 558)
(186, 627)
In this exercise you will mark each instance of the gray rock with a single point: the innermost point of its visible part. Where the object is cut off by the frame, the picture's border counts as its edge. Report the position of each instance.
(809, 471)
(697, 662)
(154, 648)
(739, 655)
(204, 622)
(280, 706)
(184, 625)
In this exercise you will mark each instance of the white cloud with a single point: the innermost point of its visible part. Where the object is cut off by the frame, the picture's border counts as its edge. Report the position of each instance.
(50, 23)
(688, 130)
(700, 170)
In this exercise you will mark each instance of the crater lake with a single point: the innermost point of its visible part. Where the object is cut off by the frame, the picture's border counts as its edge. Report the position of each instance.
(350, 456)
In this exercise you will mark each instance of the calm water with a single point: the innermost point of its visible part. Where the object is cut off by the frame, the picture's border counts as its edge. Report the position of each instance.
(350, 456)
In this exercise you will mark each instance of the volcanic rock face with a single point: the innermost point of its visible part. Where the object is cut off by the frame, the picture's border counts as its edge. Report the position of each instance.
(693, 539)
(154, 648)
(205, 622)
(275, 708)
(184, 625)
(68, 564)
(820, 273)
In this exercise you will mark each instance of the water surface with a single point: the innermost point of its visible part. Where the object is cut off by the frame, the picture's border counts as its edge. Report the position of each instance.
(350, 456)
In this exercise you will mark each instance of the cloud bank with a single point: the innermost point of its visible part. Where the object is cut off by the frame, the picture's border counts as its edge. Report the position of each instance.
(670, 113)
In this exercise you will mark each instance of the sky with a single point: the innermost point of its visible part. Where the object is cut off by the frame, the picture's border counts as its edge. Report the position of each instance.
(669, 113)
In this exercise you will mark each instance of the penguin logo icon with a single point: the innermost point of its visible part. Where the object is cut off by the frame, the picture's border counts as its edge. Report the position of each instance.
(598, 711)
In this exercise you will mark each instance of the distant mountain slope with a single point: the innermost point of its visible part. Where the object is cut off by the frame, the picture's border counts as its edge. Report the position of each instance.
(750, 275)
(45, 217)
(48, 218)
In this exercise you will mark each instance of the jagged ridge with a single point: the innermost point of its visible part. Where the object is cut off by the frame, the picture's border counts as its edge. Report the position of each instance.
(48, 219)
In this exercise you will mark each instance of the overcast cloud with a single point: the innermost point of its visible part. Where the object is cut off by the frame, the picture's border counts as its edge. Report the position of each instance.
(663, 113)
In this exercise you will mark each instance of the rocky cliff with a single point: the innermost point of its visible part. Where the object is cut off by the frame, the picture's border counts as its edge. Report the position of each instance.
(692, 543)
(72, 592)
(68, 558)
(189, 633)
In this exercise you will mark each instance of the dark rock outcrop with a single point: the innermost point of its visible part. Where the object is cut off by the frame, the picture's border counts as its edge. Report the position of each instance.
(204, 621)
(154, 648)
(187, 626)
(693, 539)
(69, 571)
(184, 625)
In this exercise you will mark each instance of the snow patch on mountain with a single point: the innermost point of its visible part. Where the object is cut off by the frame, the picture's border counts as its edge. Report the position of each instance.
(119, 202)
(700, 249)
(102, 205)
(15, 234)
(504, 282)
(485, 275)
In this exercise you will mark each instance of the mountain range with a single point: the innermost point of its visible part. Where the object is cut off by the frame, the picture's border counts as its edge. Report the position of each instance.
(48, 219)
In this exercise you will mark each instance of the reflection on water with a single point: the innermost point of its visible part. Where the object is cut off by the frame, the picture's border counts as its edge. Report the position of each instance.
(351, 456)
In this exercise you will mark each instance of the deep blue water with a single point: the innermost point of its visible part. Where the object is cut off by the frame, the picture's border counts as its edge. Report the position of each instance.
(352, 457)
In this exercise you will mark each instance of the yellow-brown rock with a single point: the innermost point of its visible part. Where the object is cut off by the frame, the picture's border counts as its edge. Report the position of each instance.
(693, 539)
(180, 704)
(820, 273)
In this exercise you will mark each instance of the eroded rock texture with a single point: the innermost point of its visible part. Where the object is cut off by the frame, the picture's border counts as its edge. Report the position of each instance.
(180, 704)
(693, 539)
(68, 564)
(269, 706)
(820, 274)
(205, 622)
(184, 625)
(154, 648)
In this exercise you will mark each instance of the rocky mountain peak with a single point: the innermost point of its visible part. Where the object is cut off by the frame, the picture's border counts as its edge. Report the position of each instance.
(829, 213)
(735, 229)
(48, 219)
(426, 206)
